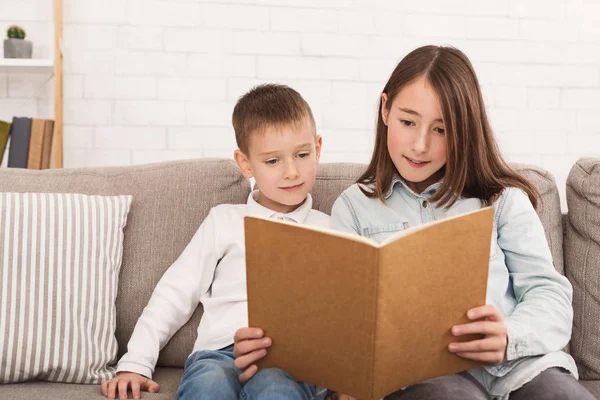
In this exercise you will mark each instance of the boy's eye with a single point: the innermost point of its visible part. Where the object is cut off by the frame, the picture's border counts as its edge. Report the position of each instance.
(272, 161)
(441, 131)
(406, 122)
(303, 155)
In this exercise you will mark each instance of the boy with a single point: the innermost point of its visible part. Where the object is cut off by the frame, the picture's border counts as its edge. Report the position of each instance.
(278, 146)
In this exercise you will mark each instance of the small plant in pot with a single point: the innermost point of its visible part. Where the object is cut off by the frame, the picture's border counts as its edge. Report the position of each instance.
(15, 46)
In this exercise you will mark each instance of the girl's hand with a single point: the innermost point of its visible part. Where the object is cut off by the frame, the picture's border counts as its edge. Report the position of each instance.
(249, 347)
(487, 322)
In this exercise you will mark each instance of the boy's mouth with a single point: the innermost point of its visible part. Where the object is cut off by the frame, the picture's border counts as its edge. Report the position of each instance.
(292, 188)
(416, 163)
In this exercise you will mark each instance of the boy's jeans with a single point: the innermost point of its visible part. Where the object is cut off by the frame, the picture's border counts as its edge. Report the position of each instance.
(211, 375)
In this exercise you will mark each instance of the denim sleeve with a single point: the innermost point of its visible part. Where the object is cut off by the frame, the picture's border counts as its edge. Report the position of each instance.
(343, 216)
(542, 320)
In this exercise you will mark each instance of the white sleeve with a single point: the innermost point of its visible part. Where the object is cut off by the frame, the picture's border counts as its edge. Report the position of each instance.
(173, 301)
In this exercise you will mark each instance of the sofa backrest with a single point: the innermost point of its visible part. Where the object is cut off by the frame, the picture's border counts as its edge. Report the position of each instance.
(171, 199)
(582, 264)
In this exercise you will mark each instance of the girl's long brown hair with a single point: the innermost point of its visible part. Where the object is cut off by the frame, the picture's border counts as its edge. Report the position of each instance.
(474, 166)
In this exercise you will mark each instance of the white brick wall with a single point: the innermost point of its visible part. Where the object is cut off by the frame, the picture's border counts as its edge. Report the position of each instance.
(153, 80)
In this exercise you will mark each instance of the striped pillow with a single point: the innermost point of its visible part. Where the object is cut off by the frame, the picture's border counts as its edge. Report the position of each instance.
(60, 256)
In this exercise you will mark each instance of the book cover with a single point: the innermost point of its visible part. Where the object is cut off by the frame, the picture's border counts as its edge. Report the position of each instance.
(48, 141)
(363, 318)
(18, 151)
(4, 133)
(40, 144)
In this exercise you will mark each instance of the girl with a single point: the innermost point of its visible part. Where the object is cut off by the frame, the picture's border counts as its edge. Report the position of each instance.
(435, 156)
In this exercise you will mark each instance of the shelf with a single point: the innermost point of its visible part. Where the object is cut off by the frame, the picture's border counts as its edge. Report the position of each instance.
(26, 65)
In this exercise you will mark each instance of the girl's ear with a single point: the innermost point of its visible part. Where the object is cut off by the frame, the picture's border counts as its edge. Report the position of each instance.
(243, 163)
(384, 110)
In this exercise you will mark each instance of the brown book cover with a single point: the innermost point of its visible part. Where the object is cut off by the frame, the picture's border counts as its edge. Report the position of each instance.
(40, 144)
(363, 318)
(47, 147)
(36, 143)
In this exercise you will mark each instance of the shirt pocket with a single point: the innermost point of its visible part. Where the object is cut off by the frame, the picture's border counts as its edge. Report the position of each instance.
(379, 233)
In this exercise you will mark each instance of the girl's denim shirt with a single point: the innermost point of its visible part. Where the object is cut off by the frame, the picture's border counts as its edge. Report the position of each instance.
(533, 297)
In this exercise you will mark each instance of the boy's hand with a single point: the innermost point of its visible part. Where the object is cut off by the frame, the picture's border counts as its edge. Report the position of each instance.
(488, 322)
(249, 347)
(120, 383)
(340, 396)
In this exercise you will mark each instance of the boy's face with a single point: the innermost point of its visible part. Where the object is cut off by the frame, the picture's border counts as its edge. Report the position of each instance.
(283, 161)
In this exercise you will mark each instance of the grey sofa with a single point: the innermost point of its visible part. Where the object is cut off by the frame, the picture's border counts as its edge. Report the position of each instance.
(171, 199)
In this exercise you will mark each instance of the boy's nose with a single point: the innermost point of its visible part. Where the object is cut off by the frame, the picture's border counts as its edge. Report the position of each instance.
(291, 171)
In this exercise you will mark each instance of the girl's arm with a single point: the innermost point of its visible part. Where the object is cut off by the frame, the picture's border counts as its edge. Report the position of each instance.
(542, 320)
(343, 216)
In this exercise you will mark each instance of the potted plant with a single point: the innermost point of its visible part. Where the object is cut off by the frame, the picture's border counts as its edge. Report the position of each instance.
(15, 46)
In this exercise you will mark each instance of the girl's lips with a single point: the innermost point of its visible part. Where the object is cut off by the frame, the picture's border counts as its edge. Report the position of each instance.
(414, 164)
(292, 188)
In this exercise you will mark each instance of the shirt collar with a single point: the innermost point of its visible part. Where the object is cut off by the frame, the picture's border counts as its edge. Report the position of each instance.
(426, 193)
(298, 215)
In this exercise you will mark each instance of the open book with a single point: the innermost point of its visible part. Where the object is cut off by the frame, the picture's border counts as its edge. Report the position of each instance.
(363, 318)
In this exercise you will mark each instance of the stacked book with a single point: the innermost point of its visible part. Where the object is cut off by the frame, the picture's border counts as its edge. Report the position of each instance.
(30, 142)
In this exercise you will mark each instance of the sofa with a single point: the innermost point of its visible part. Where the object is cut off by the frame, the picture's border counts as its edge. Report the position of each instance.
(171, 199)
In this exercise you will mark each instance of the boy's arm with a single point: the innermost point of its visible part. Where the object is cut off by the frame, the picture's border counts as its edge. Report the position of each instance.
(173, 301)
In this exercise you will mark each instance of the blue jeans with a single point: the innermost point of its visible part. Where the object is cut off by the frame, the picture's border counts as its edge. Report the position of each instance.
(211, 375)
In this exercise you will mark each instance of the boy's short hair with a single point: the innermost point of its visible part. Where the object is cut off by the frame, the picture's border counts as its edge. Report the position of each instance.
(268, 105)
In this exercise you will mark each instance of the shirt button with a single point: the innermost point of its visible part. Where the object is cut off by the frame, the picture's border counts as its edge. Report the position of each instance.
(280, 218)
(424, 203)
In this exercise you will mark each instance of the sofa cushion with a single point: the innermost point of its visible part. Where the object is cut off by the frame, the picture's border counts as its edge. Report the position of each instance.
(167, 378)
(334, 178)
(170, 200)
(59, 272)
(593, 387)
(582, 256)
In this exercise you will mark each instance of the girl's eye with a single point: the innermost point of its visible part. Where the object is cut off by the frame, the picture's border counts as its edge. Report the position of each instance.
(441, 131)
(272, 161)
(303, 155)
(406, 122)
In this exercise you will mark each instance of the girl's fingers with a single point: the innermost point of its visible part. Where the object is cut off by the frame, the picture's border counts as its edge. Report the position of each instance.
(494, 343)
(488, 311)
(480, 327)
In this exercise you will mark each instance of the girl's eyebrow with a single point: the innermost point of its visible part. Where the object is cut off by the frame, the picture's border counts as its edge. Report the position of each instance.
(413, 112)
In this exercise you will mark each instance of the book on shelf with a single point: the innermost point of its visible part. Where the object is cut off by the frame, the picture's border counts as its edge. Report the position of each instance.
(40, 144)
(4, 134)
(18, 151)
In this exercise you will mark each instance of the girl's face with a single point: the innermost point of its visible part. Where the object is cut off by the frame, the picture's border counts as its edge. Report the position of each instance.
(416, 137)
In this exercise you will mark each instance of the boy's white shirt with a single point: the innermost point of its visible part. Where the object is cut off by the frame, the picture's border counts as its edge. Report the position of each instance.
(212, 271)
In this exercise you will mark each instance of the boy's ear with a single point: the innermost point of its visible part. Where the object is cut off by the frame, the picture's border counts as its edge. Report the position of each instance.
(243, 163)
(384, 109)
(318, 145)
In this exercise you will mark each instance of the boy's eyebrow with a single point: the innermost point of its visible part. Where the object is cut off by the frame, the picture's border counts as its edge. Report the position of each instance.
(413, 112)
(301, 146)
